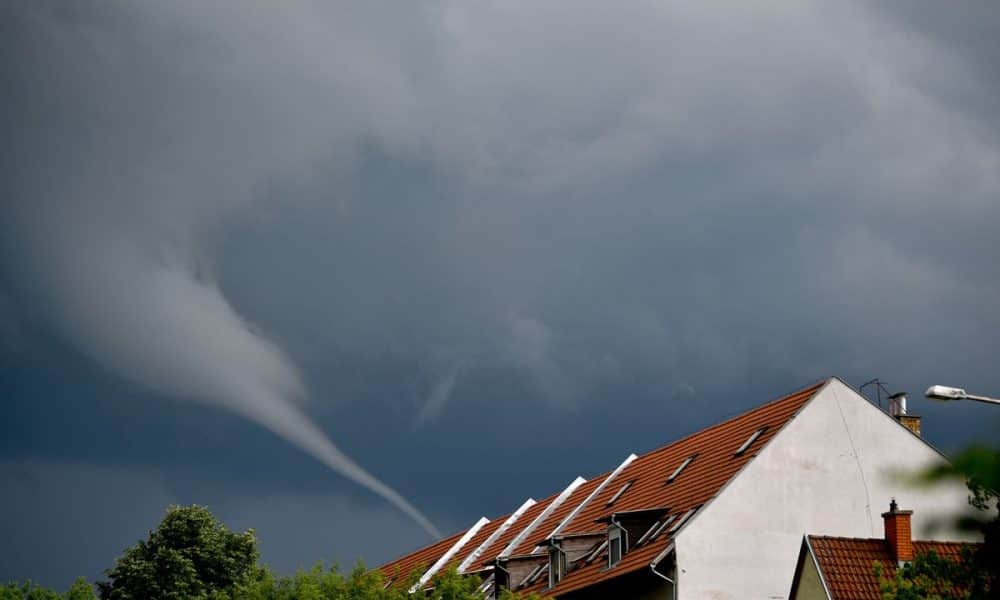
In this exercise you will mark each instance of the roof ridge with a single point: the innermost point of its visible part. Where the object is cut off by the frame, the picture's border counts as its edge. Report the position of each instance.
(842, 538)
(814, 388)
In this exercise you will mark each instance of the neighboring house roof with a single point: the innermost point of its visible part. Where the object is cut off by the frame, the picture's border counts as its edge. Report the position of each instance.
(846, 565)
(716, 462)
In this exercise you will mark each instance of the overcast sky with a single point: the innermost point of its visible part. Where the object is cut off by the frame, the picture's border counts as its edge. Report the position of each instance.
(484, 247)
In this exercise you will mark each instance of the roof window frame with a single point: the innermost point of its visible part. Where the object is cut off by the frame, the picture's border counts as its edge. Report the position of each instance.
(683, 519)
(621, 491)
(663, 526)
(681, 467)
(750, 441)
(644, 537)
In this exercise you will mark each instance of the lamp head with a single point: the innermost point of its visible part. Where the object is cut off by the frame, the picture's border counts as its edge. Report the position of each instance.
(944, 393)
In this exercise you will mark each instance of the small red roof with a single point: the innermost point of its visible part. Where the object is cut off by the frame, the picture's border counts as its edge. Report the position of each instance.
(847, 565)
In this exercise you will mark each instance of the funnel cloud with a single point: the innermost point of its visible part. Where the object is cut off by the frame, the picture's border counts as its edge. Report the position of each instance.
(112, 252)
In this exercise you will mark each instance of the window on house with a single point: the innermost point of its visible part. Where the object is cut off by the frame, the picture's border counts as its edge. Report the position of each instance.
(621, 491)
(680, 468)
(557, 566)
(617, 545)
(750, 440)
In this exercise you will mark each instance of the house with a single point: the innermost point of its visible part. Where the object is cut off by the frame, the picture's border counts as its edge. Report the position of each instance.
(717, 514)
(839, 568)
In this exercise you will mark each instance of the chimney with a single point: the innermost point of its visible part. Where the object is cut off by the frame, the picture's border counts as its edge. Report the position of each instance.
(897, 408)
(897, 532)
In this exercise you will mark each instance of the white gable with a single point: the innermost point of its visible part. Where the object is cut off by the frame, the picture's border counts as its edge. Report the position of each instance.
(831, 471)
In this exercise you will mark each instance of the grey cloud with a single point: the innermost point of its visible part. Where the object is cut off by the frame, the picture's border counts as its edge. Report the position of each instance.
(583, 206)
(72, 519)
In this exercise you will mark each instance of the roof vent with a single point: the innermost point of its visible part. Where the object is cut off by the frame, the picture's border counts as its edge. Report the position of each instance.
(897, 408)
(897, 404)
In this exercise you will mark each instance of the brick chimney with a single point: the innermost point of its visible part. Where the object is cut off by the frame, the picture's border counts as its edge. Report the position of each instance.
(897, 532)
(897, 408)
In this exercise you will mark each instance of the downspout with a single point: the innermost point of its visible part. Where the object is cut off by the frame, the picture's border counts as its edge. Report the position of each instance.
(673, 584)
(656, 563)
(624, 531)
(496, 588)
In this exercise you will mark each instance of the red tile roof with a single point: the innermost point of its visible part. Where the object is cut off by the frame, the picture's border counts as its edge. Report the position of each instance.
(399, 570)
(715, 464)
(555, 518)
(847, 564)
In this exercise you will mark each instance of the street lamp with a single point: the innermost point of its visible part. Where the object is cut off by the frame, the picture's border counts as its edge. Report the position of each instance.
(945, 394)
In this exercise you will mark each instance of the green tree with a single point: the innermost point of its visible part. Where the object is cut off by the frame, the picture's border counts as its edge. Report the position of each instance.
(360, 583)
(189, 556)
(976, 576)
(80, 590)
(27, 591)
(932, 577)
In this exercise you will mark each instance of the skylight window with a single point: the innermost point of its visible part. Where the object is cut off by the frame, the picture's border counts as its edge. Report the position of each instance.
(621, 491)
(680, 522)
(680, 468)
(662, 526)
(750, 440)
(648, 533)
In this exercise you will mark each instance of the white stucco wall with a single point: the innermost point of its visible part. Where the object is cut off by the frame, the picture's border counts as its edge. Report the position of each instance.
(829, 472)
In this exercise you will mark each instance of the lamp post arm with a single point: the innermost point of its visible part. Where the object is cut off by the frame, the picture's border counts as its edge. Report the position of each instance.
(985, 399)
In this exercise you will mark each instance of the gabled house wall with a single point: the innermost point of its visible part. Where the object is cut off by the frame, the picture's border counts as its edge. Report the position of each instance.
(809, 585)
(830, 471)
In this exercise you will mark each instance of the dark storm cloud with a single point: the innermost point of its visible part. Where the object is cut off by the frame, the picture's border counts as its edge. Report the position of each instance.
(113, 506)
(448, 213)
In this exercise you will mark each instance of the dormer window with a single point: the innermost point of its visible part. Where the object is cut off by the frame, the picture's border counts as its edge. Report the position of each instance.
(557, 565)
(621, 491)
(617, 544)
(680, 468)
(750, 440)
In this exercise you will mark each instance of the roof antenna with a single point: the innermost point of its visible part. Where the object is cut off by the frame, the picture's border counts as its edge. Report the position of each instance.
(879, 386)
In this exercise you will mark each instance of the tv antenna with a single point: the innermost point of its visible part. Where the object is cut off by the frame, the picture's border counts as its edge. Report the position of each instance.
(879, 386)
